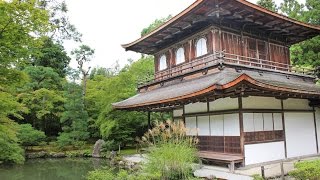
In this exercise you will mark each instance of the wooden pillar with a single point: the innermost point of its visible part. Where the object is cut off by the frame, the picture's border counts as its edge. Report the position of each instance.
(220, 40)
(284, 130)
(213, 40)
(315, 128)
(241, 128)
(149, 120)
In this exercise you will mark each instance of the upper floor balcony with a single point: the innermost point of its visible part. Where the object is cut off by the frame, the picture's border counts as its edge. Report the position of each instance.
(238, 61)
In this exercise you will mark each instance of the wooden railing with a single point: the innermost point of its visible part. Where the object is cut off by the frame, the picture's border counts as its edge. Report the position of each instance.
(266, 64)
(221, 56)
(198, 63)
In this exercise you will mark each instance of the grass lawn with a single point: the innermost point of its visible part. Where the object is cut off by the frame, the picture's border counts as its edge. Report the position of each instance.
(86, 149)
(51, 147)
(128, 151)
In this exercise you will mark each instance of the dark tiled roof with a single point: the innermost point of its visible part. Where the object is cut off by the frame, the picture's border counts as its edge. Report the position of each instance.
(284, 81)
(188, 87)
(175, 90)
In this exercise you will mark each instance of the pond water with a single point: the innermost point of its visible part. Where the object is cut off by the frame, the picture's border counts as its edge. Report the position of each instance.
(52, 169)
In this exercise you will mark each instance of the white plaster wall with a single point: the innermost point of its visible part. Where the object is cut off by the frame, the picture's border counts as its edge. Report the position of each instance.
(191, 125)
(177, 112)
(203, 126)
(277, 120)
(300, 134)
(318, 125)
(224, 104)
(216, 125)
(256, 102)
(195, 107)
(264, 152)
(296, 104)
(231, 125)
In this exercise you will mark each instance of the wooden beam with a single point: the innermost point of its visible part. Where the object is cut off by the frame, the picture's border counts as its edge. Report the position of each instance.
(284, 130)
(242, 139)
(315, 128)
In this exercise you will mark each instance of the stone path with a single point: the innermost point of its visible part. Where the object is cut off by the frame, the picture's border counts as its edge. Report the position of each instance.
(219, 172)
(245, 173)
(273, 169)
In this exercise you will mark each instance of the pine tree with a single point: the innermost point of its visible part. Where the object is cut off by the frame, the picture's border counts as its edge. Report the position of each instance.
(74, 119)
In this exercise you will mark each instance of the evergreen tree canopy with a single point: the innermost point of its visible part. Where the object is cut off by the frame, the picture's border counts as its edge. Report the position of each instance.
(268, 4)
(154, 25)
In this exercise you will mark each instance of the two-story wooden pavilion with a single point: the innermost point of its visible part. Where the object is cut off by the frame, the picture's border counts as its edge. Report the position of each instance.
(223, 66)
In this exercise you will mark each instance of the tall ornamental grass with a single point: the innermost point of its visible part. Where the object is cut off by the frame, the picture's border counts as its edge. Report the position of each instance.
(172, 152)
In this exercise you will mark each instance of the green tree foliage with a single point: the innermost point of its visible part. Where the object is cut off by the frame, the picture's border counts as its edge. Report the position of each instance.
(102, 91)
(154, 25)
(268, 4)
(83, 55)
(74, 118)
(42, 77)
(24, 30)
(28, 136)
(45, 108)
(292, 9)
(52, 55)
(10, 151)
(20, 24)
(101, 71)
(42, 96)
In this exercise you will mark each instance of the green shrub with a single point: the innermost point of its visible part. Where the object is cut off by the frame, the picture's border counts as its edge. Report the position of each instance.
(109, 146)
(257, 177)
(306, 170)
(66, 139)
(28, 136)
(101, 174)
(106, 174)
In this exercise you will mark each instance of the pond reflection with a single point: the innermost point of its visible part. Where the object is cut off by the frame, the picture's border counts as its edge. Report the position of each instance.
(52, 169)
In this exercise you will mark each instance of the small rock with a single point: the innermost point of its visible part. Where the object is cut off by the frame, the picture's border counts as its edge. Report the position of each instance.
(41, 154)
(58, 155)
(121, 163)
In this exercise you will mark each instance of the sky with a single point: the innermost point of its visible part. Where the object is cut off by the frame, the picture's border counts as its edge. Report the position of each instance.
(106, 25)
